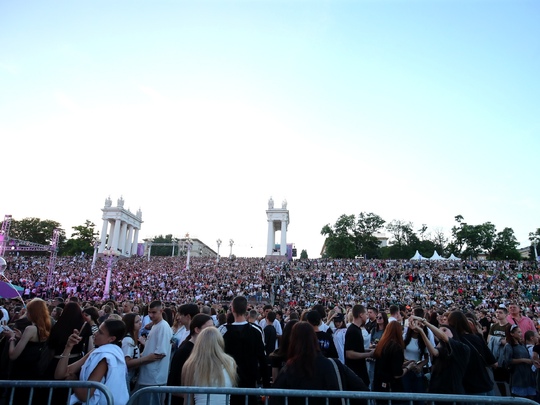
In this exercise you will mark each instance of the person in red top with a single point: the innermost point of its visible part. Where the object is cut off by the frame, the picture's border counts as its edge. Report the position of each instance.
(515, 318)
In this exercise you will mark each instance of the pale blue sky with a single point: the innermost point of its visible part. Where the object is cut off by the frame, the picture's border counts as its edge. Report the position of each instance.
(197, 112)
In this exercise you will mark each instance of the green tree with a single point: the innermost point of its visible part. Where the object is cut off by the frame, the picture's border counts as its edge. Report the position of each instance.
(367, 225)
(37, 231)
(404, 242)
(340, 239)
(440, 241)
(479, 239)
(164, 250)
(505, 246)
(426, 248)
(82, 239)
(458, 234)
(471, 240)
(422, 231)
(303, 254)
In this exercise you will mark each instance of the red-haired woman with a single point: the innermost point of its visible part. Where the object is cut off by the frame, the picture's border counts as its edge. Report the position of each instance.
(25, 348)
(390, 365)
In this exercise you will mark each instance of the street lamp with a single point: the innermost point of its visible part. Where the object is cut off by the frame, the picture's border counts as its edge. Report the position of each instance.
(231, 243)
(111, 256)
(218, 245)
(96, 246)
(189, 244)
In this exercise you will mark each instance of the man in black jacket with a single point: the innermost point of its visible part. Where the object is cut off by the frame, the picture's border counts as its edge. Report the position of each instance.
(244, 342)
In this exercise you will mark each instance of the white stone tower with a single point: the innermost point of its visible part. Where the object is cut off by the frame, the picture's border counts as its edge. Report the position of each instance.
(278, 220)
(123, 228)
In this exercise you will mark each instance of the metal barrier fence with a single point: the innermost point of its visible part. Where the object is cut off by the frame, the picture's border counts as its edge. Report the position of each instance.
(311, 396)
(41, 392)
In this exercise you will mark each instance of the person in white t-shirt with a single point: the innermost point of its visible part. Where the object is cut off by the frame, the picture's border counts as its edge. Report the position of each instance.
(159, 343)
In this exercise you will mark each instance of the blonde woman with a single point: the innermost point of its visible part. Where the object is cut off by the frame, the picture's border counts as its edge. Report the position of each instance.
(209, 366)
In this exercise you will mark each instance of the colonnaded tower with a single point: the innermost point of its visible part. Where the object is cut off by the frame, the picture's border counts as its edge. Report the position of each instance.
(278, 220)
(123, 226)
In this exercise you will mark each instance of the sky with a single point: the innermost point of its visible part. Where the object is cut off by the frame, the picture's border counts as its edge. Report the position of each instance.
(197, 112)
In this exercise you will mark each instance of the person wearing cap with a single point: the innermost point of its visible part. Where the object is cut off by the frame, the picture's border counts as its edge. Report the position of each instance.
(516, 318)
(326, 342)
(340, 328)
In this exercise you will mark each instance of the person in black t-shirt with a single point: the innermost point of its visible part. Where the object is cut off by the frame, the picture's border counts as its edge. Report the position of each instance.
(355, 353)
(244, 342)
(326, 341)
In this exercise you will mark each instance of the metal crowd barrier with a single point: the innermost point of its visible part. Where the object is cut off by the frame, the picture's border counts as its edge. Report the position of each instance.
(46, 388)
(370, 398)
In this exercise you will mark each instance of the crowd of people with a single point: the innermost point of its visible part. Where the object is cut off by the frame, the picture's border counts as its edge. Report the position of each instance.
(358, 325)
(303, 283)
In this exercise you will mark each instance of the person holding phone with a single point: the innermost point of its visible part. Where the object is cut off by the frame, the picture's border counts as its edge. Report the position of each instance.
(105, 364)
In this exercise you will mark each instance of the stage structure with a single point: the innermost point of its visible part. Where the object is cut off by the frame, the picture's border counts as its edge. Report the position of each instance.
(8, 245)
(278, 220)
(122, 228)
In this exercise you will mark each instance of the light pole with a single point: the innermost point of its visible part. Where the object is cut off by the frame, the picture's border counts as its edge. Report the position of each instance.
(111, 256)
(188, 245)
(218, 245)
(96, 246)
(174, 241)
(231, 243)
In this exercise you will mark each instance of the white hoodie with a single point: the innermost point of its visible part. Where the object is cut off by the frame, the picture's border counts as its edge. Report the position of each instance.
(115, 380)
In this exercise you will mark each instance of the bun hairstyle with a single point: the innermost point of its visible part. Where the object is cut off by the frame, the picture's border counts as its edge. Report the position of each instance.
(116, 329)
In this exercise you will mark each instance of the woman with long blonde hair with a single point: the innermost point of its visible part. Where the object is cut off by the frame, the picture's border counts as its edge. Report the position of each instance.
(209, 366)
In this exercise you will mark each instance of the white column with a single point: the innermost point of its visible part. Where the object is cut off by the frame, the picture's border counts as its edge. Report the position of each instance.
(103, 235)
(116, 235)
(122, 237)
(270, 244)
(188, 255)
(283, 247)
(135, 242)
(112, 224)
(127, 244)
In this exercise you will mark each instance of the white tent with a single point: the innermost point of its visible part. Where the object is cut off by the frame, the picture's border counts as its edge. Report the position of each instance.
(417, 256)
(452, 257)
(436, 256)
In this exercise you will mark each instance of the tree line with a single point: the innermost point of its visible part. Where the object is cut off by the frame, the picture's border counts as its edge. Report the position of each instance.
(356, 236)
(351, 236)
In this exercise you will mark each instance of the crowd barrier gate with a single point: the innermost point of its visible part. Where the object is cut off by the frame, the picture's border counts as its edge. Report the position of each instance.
(8, 388)
(368, 396)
